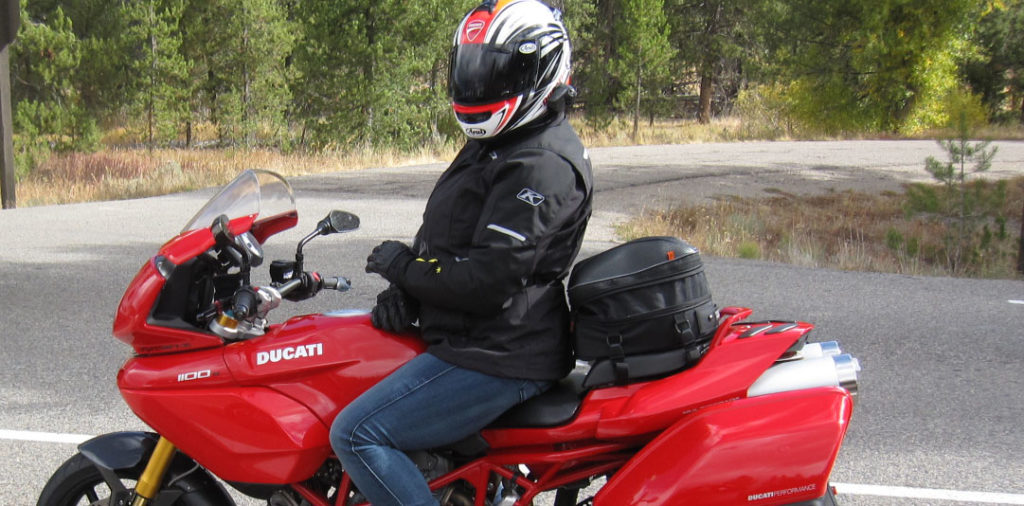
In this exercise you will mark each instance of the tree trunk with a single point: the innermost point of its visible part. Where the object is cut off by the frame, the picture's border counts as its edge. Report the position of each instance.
(707, 85)
(636, 110)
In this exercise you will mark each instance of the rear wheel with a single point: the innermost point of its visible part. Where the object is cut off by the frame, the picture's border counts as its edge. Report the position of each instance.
(78, 482)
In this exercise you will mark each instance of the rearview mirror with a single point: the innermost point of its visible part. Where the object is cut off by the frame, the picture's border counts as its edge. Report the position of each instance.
(338, 221)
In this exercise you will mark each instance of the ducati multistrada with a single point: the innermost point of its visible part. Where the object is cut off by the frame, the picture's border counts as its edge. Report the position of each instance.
(758, 420)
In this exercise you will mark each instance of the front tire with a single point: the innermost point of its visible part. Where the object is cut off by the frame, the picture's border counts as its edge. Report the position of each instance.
(78, 482)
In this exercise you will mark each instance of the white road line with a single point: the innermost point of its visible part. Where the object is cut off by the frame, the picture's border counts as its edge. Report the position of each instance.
(928, 493)
(841, 488)
(43, 437)
(1015, 301)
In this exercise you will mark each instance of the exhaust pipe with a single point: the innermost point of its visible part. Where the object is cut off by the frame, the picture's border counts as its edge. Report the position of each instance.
(820, 367)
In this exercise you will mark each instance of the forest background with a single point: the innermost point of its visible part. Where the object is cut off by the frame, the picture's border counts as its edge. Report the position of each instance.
(329, 76)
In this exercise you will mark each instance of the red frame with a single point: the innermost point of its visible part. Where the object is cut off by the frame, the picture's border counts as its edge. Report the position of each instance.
(692, 436)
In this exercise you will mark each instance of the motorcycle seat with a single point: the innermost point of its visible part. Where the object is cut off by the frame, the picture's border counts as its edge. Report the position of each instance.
(557, 406)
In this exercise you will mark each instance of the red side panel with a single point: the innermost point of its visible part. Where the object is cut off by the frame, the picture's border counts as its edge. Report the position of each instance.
(252, 435)
(771, 450)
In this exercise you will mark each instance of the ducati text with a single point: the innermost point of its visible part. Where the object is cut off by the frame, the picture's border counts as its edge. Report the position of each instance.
(289, 353)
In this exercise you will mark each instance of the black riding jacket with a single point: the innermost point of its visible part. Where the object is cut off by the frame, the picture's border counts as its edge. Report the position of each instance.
(500, 231)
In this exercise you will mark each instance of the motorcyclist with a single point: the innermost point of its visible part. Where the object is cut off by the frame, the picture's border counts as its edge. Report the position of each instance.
(484, 274)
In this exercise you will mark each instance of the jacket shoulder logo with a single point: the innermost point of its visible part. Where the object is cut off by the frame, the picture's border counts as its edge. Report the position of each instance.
(532, 197)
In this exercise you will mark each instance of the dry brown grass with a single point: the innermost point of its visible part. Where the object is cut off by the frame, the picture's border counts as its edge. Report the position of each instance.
(123, 174)
(843, 230)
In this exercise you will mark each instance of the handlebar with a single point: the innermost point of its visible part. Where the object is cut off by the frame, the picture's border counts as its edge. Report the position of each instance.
(338, 283)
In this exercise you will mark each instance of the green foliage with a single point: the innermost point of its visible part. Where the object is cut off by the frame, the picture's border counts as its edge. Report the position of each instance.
(996, 72)
(373, 72)
(157, 86)
(327, 75)
(883, 60)
(643, 53)
(48, 113)
(239, 70)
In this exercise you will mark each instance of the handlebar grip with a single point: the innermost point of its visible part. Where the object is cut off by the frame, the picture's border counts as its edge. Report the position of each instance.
(337, 283)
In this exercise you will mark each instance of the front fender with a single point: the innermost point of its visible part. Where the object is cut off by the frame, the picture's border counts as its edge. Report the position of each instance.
(128, 453)
(119, 450)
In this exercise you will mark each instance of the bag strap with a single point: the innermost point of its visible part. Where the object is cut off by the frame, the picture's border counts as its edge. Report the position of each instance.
(617, 355)
(683, 329)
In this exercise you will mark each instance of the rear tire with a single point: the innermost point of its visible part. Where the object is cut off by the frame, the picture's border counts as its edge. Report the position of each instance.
(78, 482)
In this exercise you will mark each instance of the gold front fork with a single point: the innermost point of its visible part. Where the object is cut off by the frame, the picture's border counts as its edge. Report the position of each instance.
(149, 483)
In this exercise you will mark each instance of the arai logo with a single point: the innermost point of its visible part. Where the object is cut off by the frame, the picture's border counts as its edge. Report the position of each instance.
(289, 353)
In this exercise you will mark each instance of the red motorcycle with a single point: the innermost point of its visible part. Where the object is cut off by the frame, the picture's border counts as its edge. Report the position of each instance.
(758, 420)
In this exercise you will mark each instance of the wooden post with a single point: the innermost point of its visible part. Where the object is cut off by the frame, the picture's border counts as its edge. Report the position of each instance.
(8, 31)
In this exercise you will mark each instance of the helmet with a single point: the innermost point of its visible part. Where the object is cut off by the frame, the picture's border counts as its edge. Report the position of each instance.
(507, 58)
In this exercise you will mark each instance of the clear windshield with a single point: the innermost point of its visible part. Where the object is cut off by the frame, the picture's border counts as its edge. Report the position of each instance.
(253, 193)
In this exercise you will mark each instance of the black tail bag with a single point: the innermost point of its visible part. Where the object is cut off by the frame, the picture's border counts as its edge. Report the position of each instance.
(641, 309)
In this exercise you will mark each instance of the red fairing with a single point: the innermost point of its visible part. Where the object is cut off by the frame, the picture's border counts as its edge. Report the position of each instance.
(725, 372)
(771, 450)
(131, 323)
(259, 411)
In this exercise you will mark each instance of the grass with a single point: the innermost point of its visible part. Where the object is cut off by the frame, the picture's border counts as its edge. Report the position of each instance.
(114, 174)
(843, 230)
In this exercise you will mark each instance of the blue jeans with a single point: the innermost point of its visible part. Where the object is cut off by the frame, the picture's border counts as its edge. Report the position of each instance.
(425, 404)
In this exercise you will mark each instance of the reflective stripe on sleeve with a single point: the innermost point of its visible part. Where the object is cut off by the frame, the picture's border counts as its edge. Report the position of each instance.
(511, 233)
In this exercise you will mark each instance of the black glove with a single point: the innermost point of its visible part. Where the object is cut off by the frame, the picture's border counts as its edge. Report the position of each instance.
(395, 311)
(389, 260)
(311, 285)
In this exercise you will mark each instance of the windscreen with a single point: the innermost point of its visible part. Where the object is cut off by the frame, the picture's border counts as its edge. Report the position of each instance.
(253, 192)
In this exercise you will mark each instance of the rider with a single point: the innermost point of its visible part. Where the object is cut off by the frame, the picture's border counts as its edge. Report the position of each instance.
(484, 275)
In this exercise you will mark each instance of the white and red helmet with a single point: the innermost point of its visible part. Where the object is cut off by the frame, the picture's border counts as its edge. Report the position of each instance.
(507, 58)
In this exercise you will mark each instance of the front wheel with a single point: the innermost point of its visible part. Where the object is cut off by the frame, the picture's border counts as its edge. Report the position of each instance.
(78, 482)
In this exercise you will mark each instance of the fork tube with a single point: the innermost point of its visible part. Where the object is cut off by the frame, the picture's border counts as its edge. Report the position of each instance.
(149, 483)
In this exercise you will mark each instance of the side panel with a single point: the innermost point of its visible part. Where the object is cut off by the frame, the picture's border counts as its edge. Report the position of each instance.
(252, 435)
(772, 450)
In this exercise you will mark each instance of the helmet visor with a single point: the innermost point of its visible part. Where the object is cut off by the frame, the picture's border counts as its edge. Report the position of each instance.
(484, 73)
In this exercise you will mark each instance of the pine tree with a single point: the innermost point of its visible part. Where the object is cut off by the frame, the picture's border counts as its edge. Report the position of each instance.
(643, 53)
(48, 112)
(158, 84)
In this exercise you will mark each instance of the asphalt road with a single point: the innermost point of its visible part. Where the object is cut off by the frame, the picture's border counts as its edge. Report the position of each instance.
(942, 393)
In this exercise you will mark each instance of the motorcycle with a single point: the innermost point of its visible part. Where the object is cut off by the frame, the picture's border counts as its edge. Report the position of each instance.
(233, 398)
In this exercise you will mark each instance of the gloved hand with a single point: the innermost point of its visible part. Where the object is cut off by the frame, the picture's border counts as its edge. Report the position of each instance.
(395, 311)
(311, 285)
(389, 260)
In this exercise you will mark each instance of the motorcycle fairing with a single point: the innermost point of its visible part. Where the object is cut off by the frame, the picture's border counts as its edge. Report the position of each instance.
(266, 422)
(772, 450)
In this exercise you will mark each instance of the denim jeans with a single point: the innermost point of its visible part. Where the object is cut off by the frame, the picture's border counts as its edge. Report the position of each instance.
(425, 404)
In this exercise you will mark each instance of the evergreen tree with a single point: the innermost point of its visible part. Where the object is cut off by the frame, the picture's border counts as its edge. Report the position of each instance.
(643, 53)
(373, 72)
(48, 112)
(998, 73)
(158, 84)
